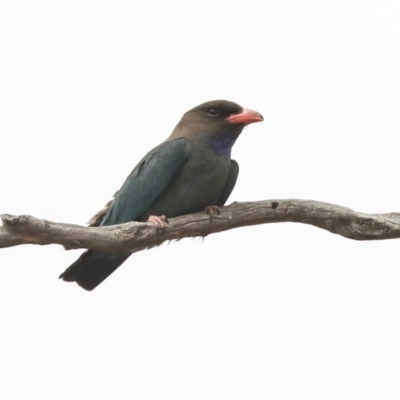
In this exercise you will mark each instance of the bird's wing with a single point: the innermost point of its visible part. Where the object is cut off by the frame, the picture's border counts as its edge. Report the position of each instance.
(147, 181)
(230, 183)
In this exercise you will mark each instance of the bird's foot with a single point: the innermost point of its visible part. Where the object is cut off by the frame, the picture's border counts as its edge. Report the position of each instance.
(211, 211)
(160, 221)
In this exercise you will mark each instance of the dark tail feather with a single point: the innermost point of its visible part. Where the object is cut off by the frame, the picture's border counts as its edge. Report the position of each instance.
(92, 267)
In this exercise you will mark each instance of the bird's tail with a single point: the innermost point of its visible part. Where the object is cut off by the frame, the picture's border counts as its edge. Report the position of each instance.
(92, 267)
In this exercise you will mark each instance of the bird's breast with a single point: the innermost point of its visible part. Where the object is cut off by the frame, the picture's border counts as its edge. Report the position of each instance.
(199, 184)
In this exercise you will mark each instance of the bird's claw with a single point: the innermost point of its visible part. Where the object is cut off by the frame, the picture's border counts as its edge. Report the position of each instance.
(160, 221)
(211, 211)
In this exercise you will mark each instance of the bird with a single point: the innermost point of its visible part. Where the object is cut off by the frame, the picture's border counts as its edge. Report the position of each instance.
(190, 171)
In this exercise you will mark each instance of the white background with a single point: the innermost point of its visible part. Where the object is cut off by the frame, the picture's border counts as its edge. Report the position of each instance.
(280, 311)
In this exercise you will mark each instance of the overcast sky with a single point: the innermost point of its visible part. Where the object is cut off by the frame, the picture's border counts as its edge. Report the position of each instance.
(280, 311)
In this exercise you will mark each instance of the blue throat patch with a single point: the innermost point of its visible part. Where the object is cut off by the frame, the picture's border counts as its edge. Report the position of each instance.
(223, 145)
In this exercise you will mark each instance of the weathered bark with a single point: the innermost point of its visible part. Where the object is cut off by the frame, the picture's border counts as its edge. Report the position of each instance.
(135, 236)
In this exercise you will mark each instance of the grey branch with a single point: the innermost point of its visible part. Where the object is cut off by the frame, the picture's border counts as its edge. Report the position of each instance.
(136, 236)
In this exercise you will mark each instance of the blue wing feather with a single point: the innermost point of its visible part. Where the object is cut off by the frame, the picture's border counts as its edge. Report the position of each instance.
(147, 181)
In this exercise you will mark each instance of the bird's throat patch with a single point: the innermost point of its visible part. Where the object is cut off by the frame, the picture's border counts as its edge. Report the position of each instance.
(223, 145)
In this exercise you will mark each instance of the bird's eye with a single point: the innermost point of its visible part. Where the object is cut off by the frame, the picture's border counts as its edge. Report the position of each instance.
(212, 111)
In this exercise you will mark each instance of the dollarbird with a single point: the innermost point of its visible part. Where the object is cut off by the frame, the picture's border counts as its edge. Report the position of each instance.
(190, 171)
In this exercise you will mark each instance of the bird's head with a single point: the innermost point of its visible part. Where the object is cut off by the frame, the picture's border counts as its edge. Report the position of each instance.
(218, 121)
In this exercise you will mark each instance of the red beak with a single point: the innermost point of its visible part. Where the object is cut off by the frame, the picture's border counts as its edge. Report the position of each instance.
(245, 117)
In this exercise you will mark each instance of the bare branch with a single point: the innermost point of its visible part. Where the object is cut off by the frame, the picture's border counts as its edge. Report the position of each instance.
(136, 236)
